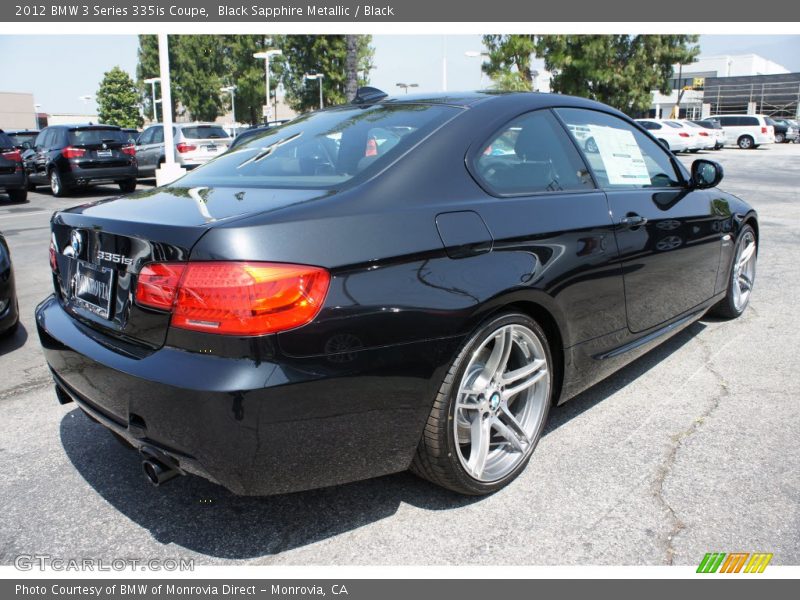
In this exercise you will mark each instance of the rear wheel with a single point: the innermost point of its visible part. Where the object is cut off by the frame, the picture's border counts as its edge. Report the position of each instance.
(56, 185)
(745, 142)
(18, 195)
(491, 409)
(127, 186)
(779, 139)
(742, 276)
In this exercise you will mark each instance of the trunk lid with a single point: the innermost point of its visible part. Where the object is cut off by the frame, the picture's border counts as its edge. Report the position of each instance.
(101, 247)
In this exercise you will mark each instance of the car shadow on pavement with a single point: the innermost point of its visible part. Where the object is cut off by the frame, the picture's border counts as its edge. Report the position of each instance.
(206, 518)
(12, 341)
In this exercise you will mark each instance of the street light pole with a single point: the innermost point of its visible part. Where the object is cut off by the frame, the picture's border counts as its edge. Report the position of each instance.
(152, 81)
(231, 89)
(476, 54)
(318, 76)
(405, 86)
(265, 56)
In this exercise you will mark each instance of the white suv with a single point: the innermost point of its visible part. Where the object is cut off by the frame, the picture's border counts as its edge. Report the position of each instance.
(746, 131)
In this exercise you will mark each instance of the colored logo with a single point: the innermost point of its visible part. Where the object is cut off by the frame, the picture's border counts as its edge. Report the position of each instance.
(736, 562)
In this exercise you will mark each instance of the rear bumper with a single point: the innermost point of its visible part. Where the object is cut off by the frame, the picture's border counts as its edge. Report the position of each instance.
(256, 427)
(12, 181)
(76, 175)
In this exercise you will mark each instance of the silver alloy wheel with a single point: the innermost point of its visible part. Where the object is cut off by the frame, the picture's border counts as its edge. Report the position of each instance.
(745, 142)
(55, 183)
(501, 403)
(744, 271)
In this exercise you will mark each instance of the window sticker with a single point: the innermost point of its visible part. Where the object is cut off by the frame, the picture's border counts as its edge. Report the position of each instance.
(621, 156)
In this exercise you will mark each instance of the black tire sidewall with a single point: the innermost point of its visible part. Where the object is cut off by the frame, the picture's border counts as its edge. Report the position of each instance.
(464, 479)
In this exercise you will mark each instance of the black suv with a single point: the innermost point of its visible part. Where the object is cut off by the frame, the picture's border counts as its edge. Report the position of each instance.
(69, 156)
(23, 138)
(12, 174)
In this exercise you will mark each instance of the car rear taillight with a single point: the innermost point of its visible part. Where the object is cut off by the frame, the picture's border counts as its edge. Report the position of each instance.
(13, 155)
(683, 134)
(129, 150)
(53, 256)
(158, 285)
(184, 147)
(704, 134)
(763, 130)
(72, 152)
(234, 298)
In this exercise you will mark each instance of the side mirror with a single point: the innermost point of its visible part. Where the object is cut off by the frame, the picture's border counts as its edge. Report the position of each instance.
(706, 174)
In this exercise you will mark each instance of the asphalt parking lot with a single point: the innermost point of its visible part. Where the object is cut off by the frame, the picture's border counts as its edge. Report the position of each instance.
(691, 449)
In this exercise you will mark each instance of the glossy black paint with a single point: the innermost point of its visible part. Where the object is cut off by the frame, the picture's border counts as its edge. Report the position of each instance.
(12, 173)
(9, 309)
(420, 255)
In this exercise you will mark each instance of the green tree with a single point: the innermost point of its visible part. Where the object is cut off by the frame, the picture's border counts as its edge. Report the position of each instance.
(118, 99)
(248, 75)
(197, 74)
(619, 70)
(326, 54)
(147, 68)
(509, 64)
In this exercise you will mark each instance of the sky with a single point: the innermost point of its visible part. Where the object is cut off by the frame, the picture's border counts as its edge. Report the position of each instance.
(59, 69)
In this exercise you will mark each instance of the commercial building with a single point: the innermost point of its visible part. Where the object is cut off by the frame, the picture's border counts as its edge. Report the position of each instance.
(17, 111)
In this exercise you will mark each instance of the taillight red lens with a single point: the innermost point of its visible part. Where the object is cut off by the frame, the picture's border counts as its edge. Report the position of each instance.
(183, 147)
(53, 257)
(71, 152)
(683, 134)
(158, 285)
(704, 134)
(763, 130)
(234, 298)
(13, 155)
(249, 298)
(129, 150)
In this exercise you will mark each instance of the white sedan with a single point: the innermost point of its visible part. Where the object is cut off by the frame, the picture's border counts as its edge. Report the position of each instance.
(675, 138)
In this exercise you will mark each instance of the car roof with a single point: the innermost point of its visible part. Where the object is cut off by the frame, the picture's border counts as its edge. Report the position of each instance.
(82, 126)
(15, 131)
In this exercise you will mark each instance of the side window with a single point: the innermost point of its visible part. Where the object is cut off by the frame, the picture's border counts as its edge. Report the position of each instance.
(158, 135)
(531, 154)
(146, 137)
(750, 121)
(725, 121)
(40, 139)
(620, 155)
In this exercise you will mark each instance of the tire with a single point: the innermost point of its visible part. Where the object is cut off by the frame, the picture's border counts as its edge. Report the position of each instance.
(736, 300)
(31, 187)
(127, 186)
(11, 330)
(779, 139)
(695, 151)
(745, 142)
(463, 417)
(18, 195)
(57, 185)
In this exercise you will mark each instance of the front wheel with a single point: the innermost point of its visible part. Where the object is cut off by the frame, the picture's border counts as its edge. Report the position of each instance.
(490, 410)
(18, 195)
(742, 276)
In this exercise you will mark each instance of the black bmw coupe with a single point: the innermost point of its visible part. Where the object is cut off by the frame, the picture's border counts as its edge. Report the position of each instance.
(395, 283)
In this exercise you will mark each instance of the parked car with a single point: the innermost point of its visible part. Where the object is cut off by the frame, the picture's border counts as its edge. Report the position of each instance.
(315, 308)
(9, 307)
(133, 134)
(746, 131)
(22, 138)
(248, 134)
(12, 173)
(708, 139)
(195, 144)
(68, 157)
(675, 138)
(715, 129)
(785, 132)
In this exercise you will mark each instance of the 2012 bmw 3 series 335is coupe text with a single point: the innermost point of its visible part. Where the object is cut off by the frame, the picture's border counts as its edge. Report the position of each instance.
(384, 285)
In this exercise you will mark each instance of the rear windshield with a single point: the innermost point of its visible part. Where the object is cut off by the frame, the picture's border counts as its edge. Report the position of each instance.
(20, 138)
(673, 124)
(203, 132)
(5, 141)
(324, 149)
(86, 137)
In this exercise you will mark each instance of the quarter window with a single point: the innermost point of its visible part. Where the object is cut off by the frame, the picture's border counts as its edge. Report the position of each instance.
(620, 155)
(531, 154)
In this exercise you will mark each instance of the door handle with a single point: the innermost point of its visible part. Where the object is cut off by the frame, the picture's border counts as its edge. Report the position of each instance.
(630, 221)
